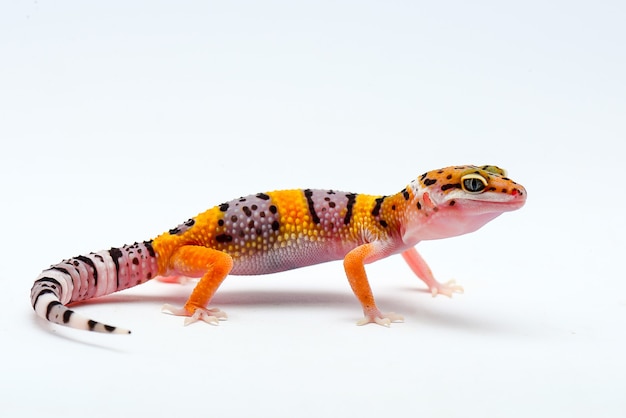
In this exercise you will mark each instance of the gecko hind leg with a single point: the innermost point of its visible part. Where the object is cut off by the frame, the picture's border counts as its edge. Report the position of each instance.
(213, 266)
(177, 279)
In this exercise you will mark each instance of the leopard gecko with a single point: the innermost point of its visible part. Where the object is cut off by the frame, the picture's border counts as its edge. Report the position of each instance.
(282, 230)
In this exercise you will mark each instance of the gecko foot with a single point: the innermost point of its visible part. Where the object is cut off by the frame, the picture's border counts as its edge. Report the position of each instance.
(381, 319)
(211, 316)
(446, 289)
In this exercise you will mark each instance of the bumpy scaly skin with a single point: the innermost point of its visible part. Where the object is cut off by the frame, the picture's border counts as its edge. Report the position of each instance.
(283, 230)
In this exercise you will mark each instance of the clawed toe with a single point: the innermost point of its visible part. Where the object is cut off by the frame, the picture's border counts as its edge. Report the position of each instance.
(381, 319)
(209, 315)
(447, 289)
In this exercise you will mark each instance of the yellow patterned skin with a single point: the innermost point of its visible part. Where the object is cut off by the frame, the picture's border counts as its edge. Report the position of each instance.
(288, 238)
(287, 229)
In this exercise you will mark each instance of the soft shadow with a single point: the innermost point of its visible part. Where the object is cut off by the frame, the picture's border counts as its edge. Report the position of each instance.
(469, 321)
(233, 298)
(415, 310)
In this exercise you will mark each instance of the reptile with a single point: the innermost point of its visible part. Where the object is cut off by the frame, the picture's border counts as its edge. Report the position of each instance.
(283, 230)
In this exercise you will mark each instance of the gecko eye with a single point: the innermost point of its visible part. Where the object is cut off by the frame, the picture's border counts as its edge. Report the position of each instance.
(473, 183)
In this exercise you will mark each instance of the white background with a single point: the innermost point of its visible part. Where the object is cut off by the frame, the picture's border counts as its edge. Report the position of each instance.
(119, 120)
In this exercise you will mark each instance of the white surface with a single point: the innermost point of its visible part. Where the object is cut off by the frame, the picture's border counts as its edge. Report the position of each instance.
(120, 120)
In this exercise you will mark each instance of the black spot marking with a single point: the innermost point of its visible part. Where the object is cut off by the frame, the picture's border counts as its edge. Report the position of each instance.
(350, 205)
(43, 292)
(233, 218)
(50, 279)
(383, 223)
(109, 328)
(220, 222)
(449, 176)
(393, 207)
(247, 211)
(406, 194)
(379, 202)
(149, 275)
(419, 206)
(254, 207)
(136, 261)
(423, 176)
(91, 324)
(224, 207)
(273, 209)
(148, 245)
(262, 214)
(263, 196)
(242, 199)
(190, 223)
(275, 226)
(50, 306)
(222, 238)
(90, 263)
(67, 315)
(330, 192)
(116, 254)
(331, 204)
(308, 193)
(251, 224)
(505, 190)
(450, 186)
(429, 182)
(452, 203)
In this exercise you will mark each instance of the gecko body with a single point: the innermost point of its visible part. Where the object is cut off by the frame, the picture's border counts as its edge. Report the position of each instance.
(282, 230)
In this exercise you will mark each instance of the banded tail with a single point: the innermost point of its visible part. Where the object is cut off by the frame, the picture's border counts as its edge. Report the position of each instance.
(89, 276)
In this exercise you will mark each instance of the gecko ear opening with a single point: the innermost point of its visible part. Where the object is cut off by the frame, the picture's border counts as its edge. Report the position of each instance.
(473, 183)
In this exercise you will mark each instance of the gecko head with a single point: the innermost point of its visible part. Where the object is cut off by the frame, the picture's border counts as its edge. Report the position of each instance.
(458, 200)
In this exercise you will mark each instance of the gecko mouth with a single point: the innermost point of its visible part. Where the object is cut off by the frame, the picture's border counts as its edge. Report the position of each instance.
(497, 203)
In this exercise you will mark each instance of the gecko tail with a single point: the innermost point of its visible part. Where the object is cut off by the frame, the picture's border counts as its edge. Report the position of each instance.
(48, 307)
(90, 276)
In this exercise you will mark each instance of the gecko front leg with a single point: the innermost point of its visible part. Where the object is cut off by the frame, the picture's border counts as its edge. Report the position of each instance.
(421, 270)
(354, 265)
